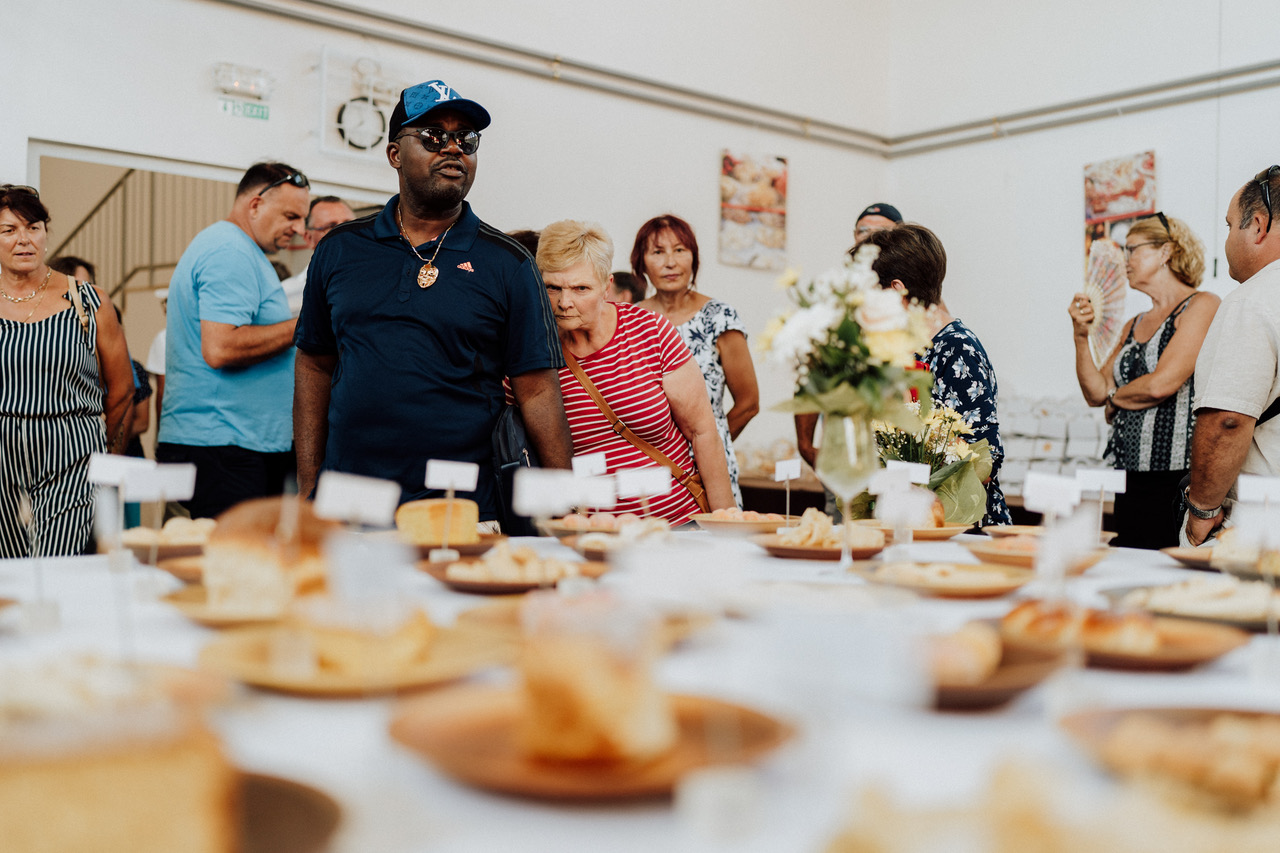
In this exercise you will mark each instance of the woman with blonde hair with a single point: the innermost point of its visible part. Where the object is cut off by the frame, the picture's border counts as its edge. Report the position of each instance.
(1147, 383)
(636, 363)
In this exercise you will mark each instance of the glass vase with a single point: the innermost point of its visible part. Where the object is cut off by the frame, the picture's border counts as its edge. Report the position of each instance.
(846, 462)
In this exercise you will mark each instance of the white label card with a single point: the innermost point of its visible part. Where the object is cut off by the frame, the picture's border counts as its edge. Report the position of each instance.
(643, 482)
(597, 492)
(445, 474)
(786, 469)
(543, 492)
(918, 471)
(159, 483)
(361, 500)
(1050, 493)
(1110, 480)
(108, 469)
(589, 465)
(1251, 488)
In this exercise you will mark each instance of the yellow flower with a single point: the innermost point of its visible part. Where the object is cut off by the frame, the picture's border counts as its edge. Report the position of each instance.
(765, 341)
(959, 449)
(789, 279)
(896, 347)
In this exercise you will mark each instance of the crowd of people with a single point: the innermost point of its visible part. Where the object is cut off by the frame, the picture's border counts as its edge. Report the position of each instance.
(412, 329)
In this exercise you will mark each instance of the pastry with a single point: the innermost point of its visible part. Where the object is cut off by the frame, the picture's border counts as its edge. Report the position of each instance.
(423, 522)
(355, 639)
(967, 657)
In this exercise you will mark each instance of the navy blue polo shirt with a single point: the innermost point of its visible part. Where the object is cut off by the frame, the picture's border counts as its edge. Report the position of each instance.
(419, 371)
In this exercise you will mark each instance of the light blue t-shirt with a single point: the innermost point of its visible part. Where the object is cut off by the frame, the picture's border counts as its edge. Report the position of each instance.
(224, 277)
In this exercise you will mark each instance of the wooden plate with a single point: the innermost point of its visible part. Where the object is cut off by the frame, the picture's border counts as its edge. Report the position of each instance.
(165, 552)
(1257, 624)
(473, 549)
(918, 534)
(7, 602)
(1184, 643)
(193, 602)
(738, 527)
(771, 543)
(186, 569)
(470, 733)
(503, 614)
(1026, 559)
(281, 816)
(1020, 669)
(554, 527)
(958, 585)
(1002, 531)
(1192, 558)
(439, 571)
(242, 654)
(598, 555)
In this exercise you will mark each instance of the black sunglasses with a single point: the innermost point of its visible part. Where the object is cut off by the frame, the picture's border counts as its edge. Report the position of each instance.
(436, 139)
(1159, 215)
(296, 178)
(1263, 180)
(18, 188)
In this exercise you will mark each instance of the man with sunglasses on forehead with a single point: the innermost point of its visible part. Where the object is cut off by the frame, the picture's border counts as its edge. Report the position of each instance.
(412, 317)
(229, 349)
(1238, 372)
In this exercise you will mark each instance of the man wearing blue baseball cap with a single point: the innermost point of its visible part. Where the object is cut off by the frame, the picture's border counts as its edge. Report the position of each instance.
(412, 317)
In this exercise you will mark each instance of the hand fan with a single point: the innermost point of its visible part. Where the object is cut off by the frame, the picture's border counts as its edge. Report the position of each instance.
(1105, 286)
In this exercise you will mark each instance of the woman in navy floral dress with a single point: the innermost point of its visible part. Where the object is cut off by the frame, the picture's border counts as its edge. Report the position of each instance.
(666, 254)
(913, 261)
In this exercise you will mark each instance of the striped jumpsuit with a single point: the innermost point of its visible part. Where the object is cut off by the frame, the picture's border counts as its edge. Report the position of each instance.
(51, 405)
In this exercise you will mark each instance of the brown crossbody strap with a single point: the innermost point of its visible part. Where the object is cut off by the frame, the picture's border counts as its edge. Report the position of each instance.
(690, 480)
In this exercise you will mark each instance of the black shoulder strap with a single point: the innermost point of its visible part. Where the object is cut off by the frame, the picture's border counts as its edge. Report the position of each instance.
(1271, 412)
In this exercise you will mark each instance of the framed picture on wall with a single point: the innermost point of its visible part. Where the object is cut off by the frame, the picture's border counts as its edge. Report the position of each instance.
(1116, 192)
(753, 211)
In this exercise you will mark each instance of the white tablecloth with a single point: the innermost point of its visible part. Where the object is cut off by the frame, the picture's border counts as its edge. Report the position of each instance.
(394, 801)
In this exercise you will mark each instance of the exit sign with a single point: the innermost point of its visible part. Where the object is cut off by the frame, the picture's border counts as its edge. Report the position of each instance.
(244, 109)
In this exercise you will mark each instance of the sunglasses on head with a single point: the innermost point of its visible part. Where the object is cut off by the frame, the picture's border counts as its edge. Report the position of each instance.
(1158, 215)
(436, 139)
(18, 188)
(296, 178)
(1263, 179)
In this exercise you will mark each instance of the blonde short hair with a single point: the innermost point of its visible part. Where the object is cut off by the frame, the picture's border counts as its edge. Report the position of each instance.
(1186, 258)
(568, 242)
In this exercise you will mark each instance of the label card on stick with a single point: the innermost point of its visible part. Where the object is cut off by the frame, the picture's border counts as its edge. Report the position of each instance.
(1110, 480)
(597, 492)
(786, 469)
(1050, 494)
(1252, 488)
(159, 483)
(361, 500)
(917, 471)
(643, 482)
(589, 465)
(543, 492)
(445, 474)
(108, 469)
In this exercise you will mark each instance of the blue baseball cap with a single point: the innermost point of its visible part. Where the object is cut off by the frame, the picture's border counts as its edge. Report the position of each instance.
(417, 101)
(888, 211)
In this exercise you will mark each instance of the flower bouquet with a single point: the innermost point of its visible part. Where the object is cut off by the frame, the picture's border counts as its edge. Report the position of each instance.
(958, 468)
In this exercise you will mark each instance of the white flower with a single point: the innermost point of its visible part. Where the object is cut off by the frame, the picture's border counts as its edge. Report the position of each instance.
(882, 311)
(794, 341)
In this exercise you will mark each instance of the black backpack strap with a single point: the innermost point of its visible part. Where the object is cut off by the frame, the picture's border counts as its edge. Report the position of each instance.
(1271, 412)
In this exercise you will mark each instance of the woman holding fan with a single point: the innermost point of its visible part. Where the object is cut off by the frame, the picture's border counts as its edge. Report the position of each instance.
(1146, 383)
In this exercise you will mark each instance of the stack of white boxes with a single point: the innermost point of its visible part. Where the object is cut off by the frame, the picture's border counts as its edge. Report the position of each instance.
(1052, 436)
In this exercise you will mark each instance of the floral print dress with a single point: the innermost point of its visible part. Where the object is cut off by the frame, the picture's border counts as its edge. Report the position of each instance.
(700, 333)
(964, 380)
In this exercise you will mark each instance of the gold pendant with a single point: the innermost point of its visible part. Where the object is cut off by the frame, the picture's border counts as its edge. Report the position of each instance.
(427, 275)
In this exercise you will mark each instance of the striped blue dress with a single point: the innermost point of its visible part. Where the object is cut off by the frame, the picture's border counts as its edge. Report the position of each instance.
(51, 405)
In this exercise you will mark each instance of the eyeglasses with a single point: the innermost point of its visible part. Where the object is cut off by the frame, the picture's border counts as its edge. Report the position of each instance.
(324, 228)
(1157, 215)
(1129, 250)
(18, 188)
(296, 178)
(436, 139)
(1264, 180)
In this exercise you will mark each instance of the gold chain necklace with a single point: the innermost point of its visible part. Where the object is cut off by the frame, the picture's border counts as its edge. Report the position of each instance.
(17, 300)
(39, 302)
(429, 273)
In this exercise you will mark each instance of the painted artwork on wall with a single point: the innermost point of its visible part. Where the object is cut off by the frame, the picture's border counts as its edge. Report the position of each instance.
(753, 211)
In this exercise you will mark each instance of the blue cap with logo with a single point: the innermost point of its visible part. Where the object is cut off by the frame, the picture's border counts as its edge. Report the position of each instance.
(417, 101)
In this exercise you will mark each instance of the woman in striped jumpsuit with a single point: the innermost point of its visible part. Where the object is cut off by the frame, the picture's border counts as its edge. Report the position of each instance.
(63, 365)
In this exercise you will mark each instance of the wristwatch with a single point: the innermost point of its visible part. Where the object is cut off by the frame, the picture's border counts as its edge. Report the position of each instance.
(1204, 514)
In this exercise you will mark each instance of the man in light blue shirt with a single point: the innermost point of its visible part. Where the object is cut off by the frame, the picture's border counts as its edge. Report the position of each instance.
(229, 354)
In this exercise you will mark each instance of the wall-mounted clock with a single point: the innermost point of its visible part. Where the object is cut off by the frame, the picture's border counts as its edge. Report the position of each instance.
(361, 124)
